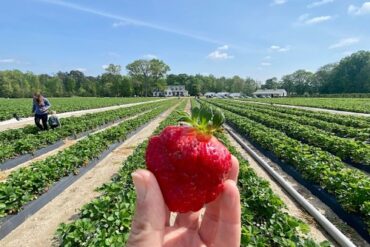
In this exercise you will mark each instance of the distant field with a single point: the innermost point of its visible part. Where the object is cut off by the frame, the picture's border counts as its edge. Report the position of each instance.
(342, 104)
(23, 106)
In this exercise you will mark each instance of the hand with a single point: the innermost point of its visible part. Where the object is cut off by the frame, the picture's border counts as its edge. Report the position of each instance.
(219, 227)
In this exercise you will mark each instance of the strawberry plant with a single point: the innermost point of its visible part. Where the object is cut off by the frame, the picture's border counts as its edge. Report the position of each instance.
(26, 184)
(22, 106)
(106, 220)
(346, 149)
(28, 139)
(350, 187)
(362, 134)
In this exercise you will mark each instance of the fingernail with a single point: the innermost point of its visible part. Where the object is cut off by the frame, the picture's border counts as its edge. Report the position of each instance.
(140, 186)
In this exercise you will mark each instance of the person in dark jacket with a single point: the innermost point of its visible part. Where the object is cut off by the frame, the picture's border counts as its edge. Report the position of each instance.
(40, 108)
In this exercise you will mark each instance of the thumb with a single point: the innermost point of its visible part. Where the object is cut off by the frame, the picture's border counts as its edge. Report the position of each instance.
(149, 220)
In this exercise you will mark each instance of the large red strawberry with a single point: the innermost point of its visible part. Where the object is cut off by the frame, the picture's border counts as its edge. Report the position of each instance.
(189, 163)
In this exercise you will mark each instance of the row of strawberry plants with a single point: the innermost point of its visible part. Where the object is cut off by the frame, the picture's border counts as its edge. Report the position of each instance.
(347, 120)
(350, 187)
(26, 184)
(106, 220)
(22, 107)
(334, 128)
(21, 141)
(342, 104)
(346, 149)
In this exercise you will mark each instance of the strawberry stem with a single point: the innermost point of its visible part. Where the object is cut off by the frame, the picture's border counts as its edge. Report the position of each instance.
(205, 119)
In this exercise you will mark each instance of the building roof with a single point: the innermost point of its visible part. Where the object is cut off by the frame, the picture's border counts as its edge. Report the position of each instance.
(270, 91)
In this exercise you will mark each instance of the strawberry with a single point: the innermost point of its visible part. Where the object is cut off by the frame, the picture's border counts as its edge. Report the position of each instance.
(189, 163)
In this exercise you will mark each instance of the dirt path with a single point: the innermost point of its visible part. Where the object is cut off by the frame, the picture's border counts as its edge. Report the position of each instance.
(311, 109)
(293, 208)
(14, 124)
(39, 229)
(67, 143)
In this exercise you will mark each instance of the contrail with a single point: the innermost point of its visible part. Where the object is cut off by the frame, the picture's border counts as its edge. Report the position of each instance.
(130, 20)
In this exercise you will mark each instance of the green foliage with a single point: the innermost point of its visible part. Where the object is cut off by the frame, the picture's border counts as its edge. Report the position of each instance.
(26, 184)
(23, 106)
(350, 187)
(28, 139)
(264, 222)
(347, 149)
(342, 104)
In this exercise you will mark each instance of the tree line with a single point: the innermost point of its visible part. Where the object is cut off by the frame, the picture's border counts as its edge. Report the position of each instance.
(350, 75)
(143, 76)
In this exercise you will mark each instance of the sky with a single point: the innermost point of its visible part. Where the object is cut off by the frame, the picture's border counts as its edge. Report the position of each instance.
(258, 39)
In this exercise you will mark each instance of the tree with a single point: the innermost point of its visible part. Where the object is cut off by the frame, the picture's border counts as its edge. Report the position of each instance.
(250, 86)
(271, 83)
(113, 69)
(148, 72)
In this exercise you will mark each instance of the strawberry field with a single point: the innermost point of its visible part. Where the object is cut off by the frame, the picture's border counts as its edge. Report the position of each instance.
(361, 105)
(22, 107)
(330, 151)
(314, 145)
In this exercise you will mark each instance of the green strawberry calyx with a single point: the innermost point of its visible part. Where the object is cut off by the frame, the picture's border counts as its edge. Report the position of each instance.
(205, 119)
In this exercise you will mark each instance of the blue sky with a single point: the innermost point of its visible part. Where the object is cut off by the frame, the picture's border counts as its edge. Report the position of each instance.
(260, 39)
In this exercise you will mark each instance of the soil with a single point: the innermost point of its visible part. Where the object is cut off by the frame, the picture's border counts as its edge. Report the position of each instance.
(293, 208)
(39, 229)
(14, 124)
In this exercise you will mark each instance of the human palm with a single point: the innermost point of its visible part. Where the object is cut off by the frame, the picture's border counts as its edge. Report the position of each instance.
(217, 226)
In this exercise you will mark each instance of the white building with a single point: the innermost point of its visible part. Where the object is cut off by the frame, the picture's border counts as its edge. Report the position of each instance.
(263, 93)
(172, 91)
(235, 95)
(210, 94)
(222, 94)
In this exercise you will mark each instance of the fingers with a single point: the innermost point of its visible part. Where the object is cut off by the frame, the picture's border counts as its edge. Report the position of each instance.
(208, 228)
(188, 220)
(151, 214)
(229, 227)
(210, 221)
(234, 171)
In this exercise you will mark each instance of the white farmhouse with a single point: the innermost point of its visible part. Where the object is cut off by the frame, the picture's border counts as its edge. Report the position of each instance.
(172, 91)
(263, 93)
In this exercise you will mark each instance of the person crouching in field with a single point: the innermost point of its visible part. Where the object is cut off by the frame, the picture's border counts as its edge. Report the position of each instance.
(54, 120)
(40, 108)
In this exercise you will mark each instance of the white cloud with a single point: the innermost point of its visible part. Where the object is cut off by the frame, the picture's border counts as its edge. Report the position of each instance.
(318, 19)
(363, 10)
(81, 69)
(220, 53)
(265, 64)
(345, 43)
(319, 3)
(8, 60)
(224, 47)
(105, 66)
(267, 58)
(120, 23)
(150, 56)
(278, 2)
(279, 48)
